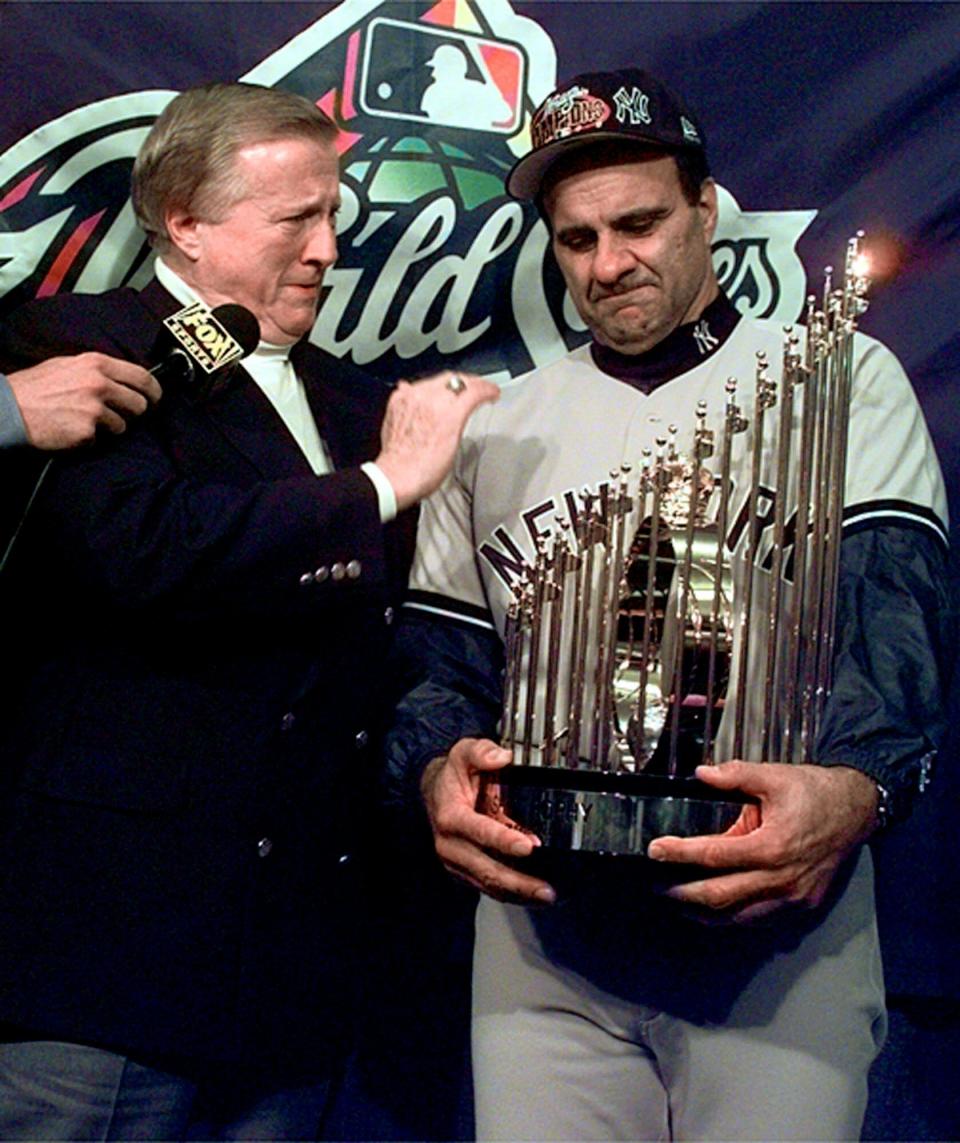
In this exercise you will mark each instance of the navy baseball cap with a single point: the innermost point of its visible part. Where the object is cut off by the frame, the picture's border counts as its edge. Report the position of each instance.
(626, 105)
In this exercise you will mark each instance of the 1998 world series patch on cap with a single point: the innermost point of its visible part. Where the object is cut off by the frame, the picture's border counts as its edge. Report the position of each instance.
(627, 105)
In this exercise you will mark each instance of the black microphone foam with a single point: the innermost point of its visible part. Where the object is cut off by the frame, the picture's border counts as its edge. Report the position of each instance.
(197, 339)
(241, 324)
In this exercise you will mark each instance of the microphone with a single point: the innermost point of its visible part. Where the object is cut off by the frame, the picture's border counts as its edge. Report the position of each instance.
(202, 339)
(197, 339)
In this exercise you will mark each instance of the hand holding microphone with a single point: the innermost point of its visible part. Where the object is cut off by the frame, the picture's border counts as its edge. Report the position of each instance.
(64, 401)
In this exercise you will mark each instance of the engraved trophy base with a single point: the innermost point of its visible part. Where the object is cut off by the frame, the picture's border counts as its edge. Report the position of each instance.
(619, 814)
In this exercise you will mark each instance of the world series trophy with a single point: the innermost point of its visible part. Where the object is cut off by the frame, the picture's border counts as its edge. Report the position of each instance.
(635, 641)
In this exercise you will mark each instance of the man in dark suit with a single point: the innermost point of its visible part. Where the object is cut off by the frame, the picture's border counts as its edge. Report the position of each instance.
(202, 611)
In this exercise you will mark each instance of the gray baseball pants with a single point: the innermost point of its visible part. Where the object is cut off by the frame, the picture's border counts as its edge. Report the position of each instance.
(597, 1020)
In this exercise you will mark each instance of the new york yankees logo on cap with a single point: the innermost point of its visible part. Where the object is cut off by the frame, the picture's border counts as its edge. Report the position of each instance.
(629, 104)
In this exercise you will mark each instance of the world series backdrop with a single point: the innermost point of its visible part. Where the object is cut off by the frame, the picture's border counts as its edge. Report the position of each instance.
(821, 118)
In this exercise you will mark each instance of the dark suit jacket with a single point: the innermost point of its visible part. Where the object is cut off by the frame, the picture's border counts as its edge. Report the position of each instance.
(186, 762)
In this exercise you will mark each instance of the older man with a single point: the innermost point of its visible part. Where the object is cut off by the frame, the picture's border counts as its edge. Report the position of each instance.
(616, 1013)
(204, 607)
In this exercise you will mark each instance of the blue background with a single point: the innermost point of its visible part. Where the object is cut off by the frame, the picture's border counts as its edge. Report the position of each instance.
(849, 108)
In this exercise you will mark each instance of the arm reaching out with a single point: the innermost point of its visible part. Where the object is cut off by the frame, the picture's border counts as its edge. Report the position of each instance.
(64, 400)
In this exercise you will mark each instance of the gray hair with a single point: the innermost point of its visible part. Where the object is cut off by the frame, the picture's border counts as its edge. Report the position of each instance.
(187, 160)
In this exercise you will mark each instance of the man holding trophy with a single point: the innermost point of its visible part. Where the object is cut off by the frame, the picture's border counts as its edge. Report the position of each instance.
(691, 578)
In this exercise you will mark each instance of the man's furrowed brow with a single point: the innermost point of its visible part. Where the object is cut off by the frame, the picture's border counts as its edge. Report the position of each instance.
(574, 231)
(642, 216)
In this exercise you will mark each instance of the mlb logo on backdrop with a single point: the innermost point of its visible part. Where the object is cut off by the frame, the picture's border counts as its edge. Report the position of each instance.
(448, 78)
(437, 266)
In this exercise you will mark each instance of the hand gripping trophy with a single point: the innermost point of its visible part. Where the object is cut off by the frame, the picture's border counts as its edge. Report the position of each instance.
(643, 641)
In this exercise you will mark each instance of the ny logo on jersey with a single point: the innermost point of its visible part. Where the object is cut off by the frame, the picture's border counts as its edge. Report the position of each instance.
(633, 104)
(704, 338)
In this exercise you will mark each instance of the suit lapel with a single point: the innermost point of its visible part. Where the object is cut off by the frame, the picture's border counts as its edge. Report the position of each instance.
(346, 404)
(244, 415)
(234, 406)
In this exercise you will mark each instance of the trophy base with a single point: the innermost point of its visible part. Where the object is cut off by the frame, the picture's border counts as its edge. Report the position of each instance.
(590, 811)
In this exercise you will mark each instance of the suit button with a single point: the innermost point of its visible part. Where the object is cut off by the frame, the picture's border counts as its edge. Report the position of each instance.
(361, 738)
(354, 568)
(306, 579)
(321, 574)
(388, 616)
(338, 571)
(264, 846)
(288, 720)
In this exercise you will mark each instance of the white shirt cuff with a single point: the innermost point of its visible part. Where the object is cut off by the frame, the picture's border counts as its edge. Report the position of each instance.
(385, 494)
